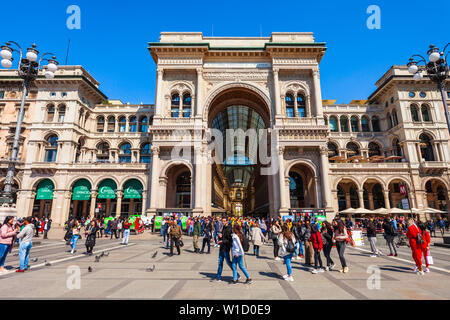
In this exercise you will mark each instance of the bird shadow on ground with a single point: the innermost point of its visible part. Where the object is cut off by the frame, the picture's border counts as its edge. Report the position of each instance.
(396, 269)
(271, 275)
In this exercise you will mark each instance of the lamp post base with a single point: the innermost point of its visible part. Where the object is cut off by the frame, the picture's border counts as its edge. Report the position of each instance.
(7, 211)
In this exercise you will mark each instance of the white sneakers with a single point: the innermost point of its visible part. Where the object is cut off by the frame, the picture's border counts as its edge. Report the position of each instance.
(315, 271)
(373, 255)
(277, 259)
(298, 258)
(288, 278)
(415, 269)
(427, 270)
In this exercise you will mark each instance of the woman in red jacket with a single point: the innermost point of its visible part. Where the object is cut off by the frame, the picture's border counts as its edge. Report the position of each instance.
(416, 248)
(316, 240)
(425, 247)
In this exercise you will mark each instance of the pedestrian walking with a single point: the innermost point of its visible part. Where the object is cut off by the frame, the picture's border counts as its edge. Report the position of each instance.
(75, 236)
(389, 235)
(306, 234)
(414, 234)
(286, 241)
(8, 233)
(441, 224)
(432, 227)
(238, 254)
(47, 226)
(126, 232)
(26, 242)
(317, 244)
(225, 242)
(425, 247)
(372, 236)
(327, 239)
(91, 235)
(175, 234)
(197, 233)
(217, 229)
(275, 231)
(340, 237)
(257, 238)
(207, 235)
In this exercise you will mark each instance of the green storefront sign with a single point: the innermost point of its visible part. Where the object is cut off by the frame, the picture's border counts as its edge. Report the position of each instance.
(107, 190)
(45, 190)
(132, 190)
(81, 190)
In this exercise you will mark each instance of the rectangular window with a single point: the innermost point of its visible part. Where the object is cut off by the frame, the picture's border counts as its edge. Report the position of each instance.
(289, 112)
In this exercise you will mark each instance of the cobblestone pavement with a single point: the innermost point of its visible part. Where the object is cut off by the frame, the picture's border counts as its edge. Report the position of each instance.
(123, 274)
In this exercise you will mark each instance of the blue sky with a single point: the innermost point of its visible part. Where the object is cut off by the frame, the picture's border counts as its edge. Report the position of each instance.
(112, 41)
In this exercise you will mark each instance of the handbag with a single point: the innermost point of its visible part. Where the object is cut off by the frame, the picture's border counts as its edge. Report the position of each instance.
(429, 258)
(180, 243)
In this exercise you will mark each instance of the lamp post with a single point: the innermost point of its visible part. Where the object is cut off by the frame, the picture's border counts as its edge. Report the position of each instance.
(27, 69)
(437, 70)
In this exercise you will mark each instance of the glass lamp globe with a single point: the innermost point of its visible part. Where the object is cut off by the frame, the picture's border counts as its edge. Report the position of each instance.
(413, 68)
(6, 54)
(435, 56)
(6, 63)
(49, 75)
(418, 76)
(52, 67)
(32, 56)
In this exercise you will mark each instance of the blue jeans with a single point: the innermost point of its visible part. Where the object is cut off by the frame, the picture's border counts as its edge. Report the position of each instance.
(287, 261)
(215, 236)
(4, 250)
(239, 261)
(256, 250)
(126, 235)
(74, 241)
(161, 229)
(223, 255)
(191, 229)
(299, 247)
(24, 254)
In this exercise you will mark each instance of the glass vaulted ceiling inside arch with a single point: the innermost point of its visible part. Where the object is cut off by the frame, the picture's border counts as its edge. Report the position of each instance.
(239, 168)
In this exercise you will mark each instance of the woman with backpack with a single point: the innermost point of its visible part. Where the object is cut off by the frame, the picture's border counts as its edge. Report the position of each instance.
(389, 235)
(275, 232)
(340, 236)
(257, 238)
(286, 241)
(414, 234)
(327, 239)
(238, 254)
(317, 244)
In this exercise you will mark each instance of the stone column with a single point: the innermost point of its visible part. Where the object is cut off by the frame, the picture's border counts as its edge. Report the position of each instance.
(93, 203)
(180, 107)
(387, 205)
(295, 106)
(361, 197)
(281, 178)
(158, 96)
(324, 173)
(317, 92)
(119, 195)
(371, 204)
(276, 92)
(436, 152)
(199, 100)
(155, 177)
(198, 190)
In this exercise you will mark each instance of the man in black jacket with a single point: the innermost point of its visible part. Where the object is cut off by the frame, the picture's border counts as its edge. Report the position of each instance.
(226, 243)
(372, 236)
(389, 235)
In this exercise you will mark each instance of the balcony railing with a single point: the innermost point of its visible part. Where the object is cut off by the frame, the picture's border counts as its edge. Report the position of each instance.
(369, 165)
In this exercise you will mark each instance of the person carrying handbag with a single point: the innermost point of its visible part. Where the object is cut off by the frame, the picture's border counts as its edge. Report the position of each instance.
(238, 254)
(414, 234)
(175, 237)
(275, 231)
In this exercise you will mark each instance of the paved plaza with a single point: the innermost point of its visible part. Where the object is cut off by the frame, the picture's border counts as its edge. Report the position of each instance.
(123, 274)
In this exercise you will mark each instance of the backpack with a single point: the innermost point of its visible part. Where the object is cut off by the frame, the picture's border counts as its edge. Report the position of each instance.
(419, 239)
(290, 247)
(246, 244)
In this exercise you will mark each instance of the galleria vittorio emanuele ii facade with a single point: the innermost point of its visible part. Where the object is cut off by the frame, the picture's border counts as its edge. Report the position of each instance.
(84, 154)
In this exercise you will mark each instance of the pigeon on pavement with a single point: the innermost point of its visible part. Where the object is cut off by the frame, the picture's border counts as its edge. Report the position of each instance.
(97, 258)
(35, 259)
(154, 255)
(150, 269)
(47, 263)
(106, 253)
(89, 269)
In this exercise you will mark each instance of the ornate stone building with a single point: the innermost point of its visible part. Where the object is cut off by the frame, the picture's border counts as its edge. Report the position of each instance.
(84, 154)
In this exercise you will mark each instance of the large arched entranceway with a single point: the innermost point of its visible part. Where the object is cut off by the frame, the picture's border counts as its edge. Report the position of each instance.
(43, 201)
(132, 198)
(106, 198)
(81, 196)
(303, 191)
(373, 194)
(237, 185)
(399, 195)
(437, 196)
(179, 186)
(347, 195)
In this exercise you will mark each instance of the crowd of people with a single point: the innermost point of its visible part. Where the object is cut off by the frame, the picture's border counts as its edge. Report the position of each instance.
(307, 238)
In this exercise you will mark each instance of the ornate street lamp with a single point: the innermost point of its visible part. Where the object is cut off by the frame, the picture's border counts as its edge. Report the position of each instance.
(437, 70)
(28, 70)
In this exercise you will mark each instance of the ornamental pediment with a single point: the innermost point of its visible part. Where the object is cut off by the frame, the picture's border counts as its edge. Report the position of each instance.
(236, 75)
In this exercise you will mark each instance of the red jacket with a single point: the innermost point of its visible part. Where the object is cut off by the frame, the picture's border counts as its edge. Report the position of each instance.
(316, 240)
(412, 233)
(426, 239)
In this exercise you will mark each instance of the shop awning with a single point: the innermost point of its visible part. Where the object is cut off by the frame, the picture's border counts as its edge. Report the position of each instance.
(107, 189)
(81, 190)
(132, 189)
(45, 190)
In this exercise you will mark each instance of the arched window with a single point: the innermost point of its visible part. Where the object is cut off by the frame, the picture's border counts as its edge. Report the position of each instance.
(122, 124)
(426, 149)
(61, 113)
(375, 124)
(333, 124)
(425, 113)
(296, 191)
(341, 198)
(175, 106)
(374, 149)
(183, 190)
(389, 120)
(289, 106)
(325, 119)
(414, 113)
(51, 148)
(354, 124)
(103, 152)
(394, 118)
(365, 124)
(50, 113)
(354, 198)
(100, 124)
(352, 149)
(344, 124)
(133, 124)
(145, 153)
(301, 105)
(396, 149)
(111, 124)
(143, 124)
(187, 105)
(125, 153)
(332, 149)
